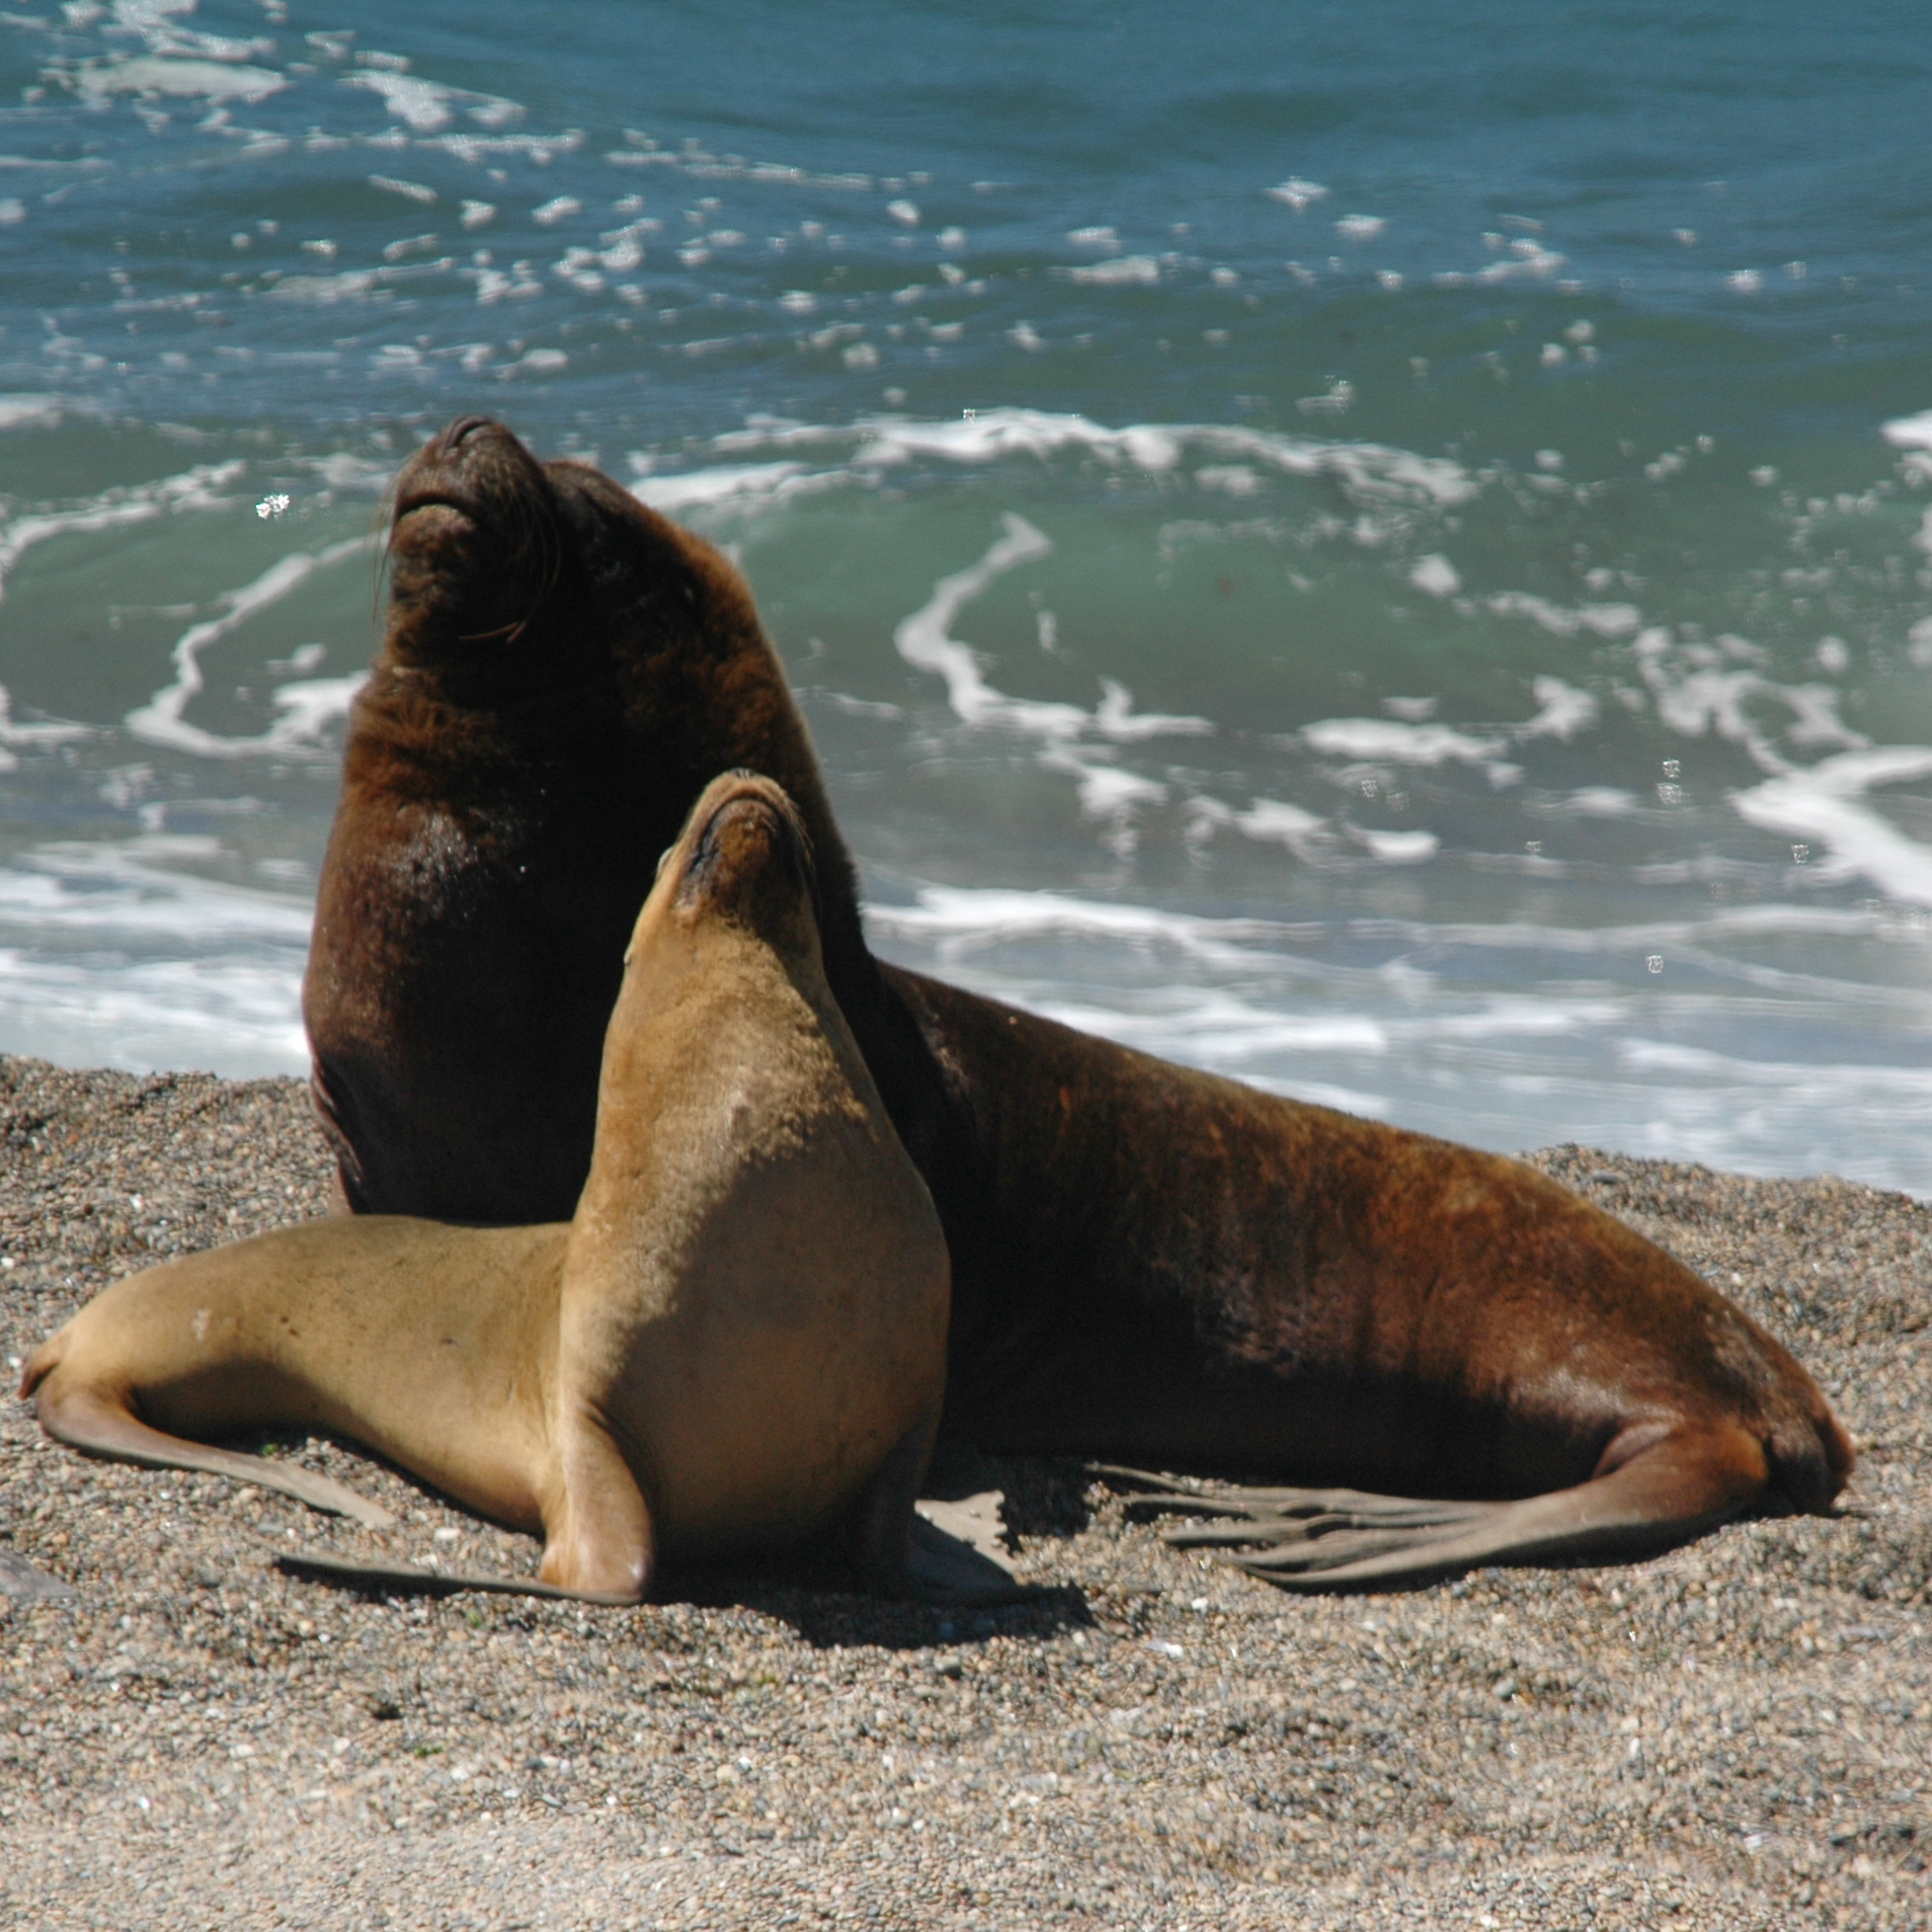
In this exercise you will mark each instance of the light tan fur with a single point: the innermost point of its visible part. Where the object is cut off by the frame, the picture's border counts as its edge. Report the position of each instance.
(743, 1327)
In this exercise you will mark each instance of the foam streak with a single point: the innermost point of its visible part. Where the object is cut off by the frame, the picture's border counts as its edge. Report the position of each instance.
(305, 707)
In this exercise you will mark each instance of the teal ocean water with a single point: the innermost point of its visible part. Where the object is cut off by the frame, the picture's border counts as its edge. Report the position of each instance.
(1385, 551)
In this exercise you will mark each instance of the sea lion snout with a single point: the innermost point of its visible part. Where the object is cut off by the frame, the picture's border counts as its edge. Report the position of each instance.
(473, 540)
(745, 854)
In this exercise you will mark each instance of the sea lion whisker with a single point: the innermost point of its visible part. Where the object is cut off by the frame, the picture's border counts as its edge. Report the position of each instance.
(507, 633)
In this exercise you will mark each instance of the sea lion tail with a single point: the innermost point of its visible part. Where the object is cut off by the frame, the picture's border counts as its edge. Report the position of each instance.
(99, 1422)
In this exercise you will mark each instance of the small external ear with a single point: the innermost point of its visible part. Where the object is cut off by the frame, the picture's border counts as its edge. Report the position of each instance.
(664, 860)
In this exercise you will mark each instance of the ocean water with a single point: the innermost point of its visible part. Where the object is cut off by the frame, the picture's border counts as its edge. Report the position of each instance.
(1385, 551)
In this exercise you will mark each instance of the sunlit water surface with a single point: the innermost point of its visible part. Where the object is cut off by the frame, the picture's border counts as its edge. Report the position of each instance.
(1383, 551)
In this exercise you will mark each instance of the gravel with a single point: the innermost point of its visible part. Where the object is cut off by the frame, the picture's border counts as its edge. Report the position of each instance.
(1732, 1735)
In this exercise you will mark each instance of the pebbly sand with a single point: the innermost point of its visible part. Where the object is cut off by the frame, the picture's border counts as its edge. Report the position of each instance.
(1735, 1734)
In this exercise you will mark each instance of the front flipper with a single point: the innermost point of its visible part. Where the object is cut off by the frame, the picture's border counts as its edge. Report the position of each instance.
(598, 1543)
(1312, 1540)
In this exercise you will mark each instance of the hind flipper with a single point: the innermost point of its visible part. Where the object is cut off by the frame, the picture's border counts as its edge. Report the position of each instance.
(410, 1580)
(1672, 1489)
(1287, 1515)
(89, 1422)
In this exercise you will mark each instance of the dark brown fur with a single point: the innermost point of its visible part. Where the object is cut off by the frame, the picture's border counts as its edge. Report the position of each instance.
(1147, 1260)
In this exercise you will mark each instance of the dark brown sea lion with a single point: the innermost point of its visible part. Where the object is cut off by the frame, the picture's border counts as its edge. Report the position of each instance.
(1148, 1261)
(739, 1338)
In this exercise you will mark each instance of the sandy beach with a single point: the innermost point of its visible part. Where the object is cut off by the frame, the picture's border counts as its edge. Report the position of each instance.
(1732, 1735)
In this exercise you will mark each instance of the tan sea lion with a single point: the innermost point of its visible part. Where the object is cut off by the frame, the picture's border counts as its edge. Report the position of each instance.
(739, 1337)
(1149, 1262)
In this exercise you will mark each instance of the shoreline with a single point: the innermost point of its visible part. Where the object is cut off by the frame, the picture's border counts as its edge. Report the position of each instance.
(1738, 1733)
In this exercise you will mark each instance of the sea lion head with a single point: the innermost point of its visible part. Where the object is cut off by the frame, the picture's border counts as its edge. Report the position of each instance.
(475, 546)
(563, 673)
(725, 1020)
(743, 858)
(498, 559)
(519, 580)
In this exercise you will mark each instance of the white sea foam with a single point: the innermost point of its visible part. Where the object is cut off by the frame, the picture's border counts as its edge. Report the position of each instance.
(1620, 1058)
(204, 80)
(1366, 469)
(1388, 741)
(1232, 479)
(1399, 848)
(1122, 271)
(1565, 710)
(307, 708)
(1222, 1030)
(120, 895)
(1114, 717)
(1699, 687)
(737, 485)
(1909, 431)
(1219, 1027)
(428, 107)
(30, 412)
(958, 920)
(1298, 194)
(925, 642)
(227, 1017)
(51, 732)
(1602, 802)
(1824, 803)
(157, 24)
(1274, 821)
(1107, 792)
(325, 290)
(1527, 259)
(200, 488)
(1604, 620)
(16, 737)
